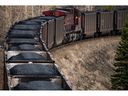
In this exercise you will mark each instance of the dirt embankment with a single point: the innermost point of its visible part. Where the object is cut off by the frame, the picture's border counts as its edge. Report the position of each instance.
(89, 64)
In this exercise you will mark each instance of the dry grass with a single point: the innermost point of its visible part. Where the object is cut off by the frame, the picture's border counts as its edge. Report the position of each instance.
(1, 70)
(88, 65)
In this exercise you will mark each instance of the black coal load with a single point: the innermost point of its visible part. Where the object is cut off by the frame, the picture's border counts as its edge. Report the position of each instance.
(38, 85)
(26, 26)
(29, 22)
(46, 17)
(34, 69)
(38, 20)
(25, 47)
(22, 34)
(42, 19)
(30, 56)
(22, 41)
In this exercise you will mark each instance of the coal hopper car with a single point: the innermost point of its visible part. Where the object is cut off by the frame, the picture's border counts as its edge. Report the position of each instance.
(28, 63)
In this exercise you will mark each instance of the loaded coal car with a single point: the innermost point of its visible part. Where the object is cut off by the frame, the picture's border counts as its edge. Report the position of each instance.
(29, 70)
(25, 30)
(17, 37)
(120, 19)
(21, 44)
(47, 29)
(28, 56)
(89, 23)
(97, 23)
(112, 21)
(33, 70)
(106, 22)
(59, 31)
(52, 30)
(35, 76)
(24, 44)
(26, 39)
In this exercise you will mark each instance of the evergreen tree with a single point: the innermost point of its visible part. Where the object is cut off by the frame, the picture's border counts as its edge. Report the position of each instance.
(119, 79)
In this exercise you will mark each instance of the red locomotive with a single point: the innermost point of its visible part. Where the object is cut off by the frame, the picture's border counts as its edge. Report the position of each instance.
(71, 17)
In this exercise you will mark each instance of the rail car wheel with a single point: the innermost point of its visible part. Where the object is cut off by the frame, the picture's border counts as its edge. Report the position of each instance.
(76, 36)
(96, 34)
(114, 32)
(82, 36)
(66, 39)
(72, 37)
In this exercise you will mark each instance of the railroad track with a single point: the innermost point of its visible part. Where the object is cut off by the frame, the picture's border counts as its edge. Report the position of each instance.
(80, 41)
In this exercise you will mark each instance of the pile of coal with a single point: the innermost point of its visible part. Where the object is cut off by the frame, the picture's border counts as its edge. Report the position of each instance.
(22, 34)
(29, 22)
(27, 27)
(25, 47)
(38, 85)
(22, 41)
(30, 56)
(34, 69)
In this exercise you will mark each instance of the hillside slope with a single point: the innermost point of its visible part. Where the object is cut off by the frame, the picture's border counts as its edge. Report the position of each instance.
(88, 64)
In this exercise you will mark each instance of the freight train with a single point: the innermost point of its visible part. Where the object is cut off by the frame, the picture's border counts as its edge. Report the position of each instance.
(28, 62)
(72, 25)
